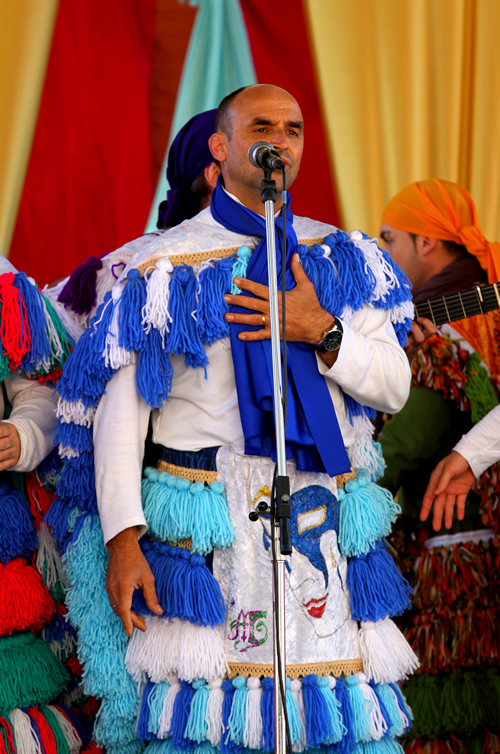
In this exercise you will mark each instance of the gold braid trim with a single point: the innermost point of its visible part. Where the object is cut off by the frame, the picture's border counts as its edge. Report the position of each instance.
(342, 479)
(197, 257)
(336, 668)
(193, 475)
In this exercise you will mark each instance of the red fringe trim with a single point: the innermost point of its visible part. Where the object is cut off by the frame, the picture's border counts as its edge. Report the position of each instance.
(40, 498)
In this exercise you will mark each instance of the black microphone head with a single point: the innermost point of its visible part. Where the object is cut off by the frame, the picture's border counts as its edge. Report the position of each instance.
(255, 149)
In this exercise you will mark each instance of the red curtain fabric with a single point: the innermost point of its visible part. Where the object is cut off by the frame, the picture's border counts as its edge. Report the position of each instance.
(282, 56)
(89, 184)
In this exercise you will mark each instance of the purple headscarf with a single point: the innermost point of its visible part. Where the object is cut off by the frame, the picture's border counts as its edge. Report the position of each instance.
(188, 156)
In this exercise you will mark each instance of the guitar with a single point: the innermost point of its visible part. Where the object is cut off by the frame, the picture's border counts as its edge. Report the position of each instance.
(443, 309)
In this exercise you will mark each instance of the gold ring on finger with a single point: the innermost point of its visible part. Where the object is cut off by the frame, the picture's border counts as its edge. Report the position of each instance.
(263, 320)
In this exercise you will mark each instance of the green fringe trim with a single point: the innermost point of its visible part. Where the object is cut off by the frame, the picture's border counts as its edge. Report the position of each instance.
(30, 673)
(478, 388)
(460, 703)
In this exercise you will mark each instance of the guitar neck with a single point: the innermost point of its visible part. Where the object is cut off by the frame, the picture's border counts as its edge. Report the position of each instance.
(443, 309)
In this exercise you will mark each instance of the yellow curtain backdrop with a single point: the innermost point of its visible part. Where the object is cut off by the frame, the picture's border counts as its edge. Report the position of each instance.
(26, 28)
(410, 90)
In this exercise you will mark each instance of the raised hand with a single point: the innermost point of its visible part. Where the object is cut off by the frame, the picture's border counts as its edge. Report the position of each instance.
(448, 486)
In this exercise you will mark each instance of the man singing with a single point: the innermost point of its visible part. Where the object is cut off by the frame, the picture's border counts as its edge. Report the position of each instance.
(186, 336)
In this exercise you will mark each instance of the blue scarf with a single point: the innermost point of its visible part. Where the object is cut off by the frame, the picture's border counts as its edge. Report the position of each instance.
(312, 432)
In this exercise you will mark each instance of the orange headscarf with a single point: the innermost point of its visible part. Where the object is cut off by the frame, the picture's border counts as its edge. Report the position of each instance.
(443, 210)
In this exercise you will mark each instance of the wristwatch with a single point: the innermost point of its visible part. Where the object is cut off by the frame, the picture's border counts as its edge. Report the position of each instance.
(331, 339)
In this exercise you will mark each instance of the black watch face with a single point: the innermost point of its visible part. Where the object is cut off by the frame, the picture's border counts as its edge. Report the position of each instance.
(332, 340)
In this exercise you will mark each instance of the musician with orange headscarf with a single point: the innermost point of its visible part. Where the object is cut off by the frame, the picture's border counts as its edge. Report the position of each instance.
(431, 229)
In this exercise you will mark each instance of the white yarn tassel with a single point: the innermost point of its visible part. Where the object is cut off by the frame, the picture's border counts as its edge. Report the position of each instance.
(72, 324)
(116, 356)
(75, 412)
(26, 740)
(213, 715)
(201, 653)
(155, 311)
(168, 709)
(253, 718)
(403, 311)
(175, 647)
(387, 656)
(362, 453)
(65, 451)
(48, 561)
(296, 688)
(378, 724)
(72, 738)
(385, 276)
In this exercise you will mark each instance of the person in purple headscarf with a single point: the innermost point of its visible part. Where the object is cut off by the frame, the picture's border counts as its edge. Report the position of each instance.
(191, 172)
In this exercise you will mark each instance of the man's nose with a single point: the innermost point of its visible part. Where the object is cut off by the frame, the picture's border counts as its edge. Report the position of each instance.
(280, 141)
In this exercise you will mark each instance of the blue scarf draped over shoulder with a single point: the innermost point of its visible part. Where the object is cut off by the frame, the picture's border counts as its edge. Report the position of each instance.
(312, 433)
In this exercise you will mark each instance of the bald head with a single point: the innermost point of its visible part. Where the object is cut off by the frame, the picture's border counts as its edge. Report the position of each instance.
(240, 98)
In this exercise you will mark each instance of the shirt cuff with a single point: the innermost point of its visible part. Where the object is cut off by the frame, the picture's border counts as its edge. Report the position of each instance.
(110, 529)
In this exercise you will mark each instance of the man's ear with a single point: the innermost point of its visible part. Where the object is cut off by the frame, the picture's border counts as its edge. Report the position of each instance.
(211, 174)
(426, 245)
(218, 147)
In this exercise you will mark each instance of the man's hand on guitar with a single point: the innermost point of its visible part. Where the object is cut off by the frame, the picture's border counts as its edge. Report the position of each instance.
(421, 329)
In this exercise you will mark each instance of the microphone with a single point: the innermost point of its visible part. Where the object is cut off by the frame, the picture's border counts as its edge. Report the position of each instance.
(262, 155)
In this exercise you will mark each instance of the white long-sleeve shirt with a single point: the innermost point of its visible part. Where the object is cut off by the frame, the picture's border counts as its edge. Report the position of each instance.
(371, 367)
(33, 415)
(481, 445)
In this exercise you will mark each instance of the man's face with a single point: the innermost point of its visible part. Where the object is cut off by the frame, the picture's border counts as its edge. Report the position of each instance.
(404, 252)
(261, 113)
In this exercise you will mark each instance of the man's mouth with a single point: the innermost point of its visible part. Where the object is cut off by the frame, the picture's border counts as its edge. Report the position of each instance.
(316, 608)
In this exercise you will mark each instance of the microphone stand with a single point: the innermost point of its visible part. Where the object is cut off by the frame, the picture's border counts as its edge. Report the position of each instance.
(280, 503)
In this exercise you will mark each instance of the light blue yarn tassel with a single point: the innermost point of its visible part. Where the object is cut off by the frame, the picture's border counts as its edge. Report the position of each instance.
(238, 711)
(361, 716)
(201, 522)
(158, 504)
(222, 529)
(240, 265)
(111, 727)
(389, 701)
(293, 714)
(181, 510)
(366, 514)
(333, 705)
(134, 747)
(155, 701)
(384, 746)
(196, 728)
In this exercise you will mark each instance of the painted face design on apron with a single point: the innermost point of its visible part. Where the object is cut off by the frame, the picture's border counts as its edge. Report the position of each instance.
(316, 571)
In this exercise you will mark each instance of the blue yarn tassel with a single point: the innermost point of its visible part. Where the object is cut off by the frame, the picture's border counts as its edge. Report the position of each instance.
(293, 714)
(347, 744)
(196, 728)
(240, 265)
(58, 519)
(77, 481)
(376, 586)
(366, 514)
(215, 281)
(17, 535)
(154, 371)
(318, 722)
(267, 714)
(184, 339)
(40, 351)
(360, 716)
(184, 585)
(402, 329)
(207, 601)
(226, 745)
(131, 335)
(354, 408)
(355, 282)
(334, 713)
(384, 746)
(180, 717)
(75, 436)
(238, 711)
(143, 721)
(383, 709)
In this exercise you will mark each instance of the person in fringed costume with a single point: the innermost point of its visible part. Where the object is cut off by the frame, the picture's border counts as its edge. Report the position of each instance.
(192, 175)
(34, 639)
(181, 652)
(432, 231)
